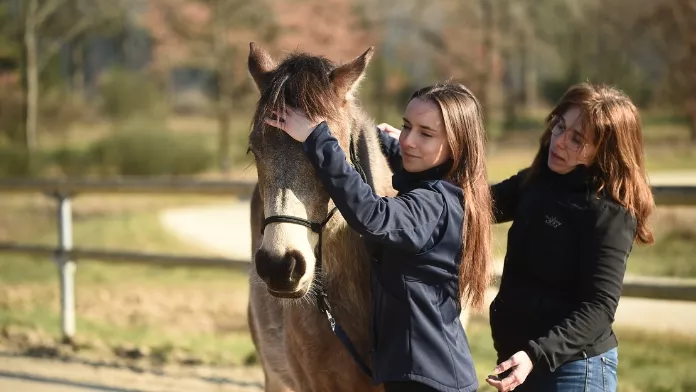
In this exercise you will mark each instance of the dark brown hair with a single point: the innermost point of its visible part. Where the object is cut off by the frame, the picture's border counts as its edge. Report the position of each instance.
(466, 137)
(618, 168)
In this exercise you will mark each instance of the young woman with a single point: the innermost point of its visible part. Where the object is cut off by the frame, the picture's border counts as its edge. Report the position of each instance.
(576, 213)
(432, 239)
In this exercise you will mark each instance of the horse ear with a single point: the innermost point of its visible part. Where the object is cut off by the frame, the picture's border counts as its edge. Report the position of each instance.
(347, 77)
(260, 65)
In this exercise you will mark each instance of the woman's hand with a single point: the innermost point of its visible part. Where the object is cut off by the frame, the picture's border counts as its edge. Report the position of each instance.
(521, 366)
(391, 131)
(294, 122)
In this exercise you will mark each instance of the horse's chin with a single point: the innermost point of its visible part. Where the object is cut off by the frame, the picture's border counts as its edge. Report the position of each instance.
(299, 292)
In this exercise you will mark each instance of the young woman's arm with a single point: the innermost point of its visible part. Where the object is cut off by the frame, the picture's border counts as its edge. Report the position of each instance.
(406, 221)
(389, 141)
(611, 243)
(505, 195)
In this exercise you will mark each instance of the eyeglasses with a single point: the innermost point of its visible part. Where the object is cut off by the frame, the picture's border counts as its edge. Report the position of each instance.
(558, 128)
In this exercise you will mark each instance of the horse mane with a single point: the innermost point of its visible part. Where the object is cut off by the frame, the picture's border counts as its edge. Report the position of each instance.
(300, 81)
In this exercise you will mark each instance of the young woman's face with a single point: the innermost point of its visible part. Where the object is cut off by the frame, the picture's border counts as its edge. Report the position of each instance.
(423, 138)
(570, 144)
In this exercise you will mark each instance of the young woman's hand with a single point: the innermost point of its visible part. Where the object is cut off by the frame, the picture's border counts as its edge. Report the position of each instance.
(294, 122)
(521, 366)
(391, 131)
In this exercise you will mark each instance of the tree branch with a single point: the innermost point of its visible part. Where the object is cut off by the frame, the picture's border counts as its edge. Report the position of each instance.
(182, 27)
(679, 21)
(228, 6)
(48, 9)
(55, 46)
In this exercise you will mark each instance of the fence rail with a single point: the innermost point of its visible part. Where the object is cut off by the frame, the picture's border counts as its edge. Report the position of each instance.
(64, 254)
(667, 195)
(133, 186)
(167, 260)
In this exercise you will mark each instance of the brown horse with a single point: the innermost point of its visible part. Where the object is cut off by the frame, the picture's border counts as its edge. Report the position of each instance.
(293, 338)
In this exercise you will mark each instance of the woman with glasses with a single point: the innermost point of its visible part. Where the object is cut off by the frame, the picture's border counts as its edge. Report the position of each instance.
(575, 214)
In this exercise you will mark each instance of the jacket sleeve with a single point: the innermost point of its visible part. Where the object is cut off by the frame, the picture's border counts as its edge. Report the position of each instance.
(406, 221)
(611, 243)
(390, 149)
(505, 196)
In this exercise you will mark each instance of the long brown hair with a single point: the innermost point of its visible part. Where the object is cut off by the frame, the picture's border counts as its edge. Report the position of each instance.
(466, 137)
(618, 168)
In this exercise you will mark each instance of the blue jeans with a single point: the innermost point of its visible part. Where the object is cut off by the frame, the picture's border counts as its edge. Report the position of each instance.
(595, 374)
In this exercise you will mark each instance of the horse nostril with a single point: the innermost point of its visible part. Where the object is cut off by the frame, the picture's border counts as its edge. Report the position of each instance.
(297, 264)
(263, 262)
(280, 273)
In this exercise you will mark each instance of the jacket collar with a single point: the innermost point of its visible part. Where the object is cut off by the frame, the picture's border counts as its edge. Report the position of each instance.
(578, 179)
(404, 180)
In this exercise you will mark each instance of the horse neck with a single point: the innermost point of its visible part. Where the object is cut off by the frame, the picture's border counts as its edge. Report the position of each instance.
(345, 255)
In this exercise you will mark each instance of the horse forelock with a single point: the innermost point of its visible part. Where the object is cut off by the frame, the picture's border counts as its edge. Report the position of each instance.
(300, 81)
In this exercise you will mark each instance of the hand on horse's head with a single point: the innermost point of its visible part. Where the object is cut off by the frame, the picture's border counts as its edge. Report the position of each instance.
(390, 130)
(294, 122)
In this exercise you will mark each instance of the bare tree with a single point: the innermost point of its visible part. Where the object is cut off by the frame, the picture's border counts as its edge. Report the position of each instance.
(671, 27)
(428, 40)
(217, 42)
(37, 14)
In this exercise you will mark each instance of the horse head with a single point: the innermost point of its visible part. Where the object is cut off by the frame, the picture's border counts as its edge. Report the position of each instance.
(286, 259)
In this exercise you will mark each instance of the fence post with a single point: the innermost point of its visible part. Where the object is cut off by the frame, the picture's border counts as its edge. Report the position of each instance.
(66, 268)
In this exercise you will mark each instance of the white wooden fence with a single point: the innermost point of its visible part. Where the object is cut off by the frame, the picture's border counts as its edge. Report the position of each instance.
(65, 254)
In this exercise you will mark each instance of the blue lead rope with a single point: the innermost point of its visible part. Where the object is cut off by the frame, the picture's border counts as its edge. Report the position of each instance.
(322, 302)
(341, 334)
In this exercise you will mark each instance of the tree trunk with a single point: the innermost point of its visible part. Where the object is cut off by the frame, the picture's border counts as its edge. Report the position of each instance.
(692, 126)
(529, 69)
(380, 87)
(487, 75)
(224, 101)
(78, 76)
(32, 99)
(223, 115)
(509, 84)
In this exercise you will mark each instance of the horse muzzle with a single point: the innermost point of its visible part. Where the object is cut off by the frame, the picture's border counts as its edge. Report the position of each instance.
(282, 275)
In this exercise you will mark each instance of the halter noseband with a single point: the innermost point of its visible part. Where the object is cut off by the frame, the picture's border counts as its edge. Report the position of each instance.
(314, 226)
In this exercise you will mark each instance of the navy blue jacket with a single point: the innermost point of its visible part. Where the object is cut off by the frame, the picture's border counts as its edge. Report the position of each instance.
(417, 242)
(564, 267)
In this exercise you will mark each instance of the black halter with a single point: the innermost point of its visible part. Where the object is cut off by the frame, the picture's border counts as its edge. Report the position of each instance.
(322, 301)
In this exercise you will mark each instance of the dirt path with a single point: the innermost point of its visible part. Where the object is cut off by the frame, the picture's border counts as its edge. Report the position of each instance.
(223, 229)
(674, 177)
(44, 375)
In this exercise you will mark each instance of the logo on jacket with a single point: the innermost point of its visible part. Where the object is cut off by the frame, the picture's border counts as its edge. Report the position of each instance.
(552, 221)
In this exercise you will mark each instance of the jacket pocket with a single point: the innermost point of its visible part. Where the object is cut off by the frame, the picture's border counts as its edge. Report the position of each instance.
(433, 344)
(390, 330)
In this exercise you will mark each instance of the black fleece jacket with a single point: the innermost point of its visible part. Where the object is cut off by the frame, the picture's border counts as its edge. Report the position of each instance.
(564, 267)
